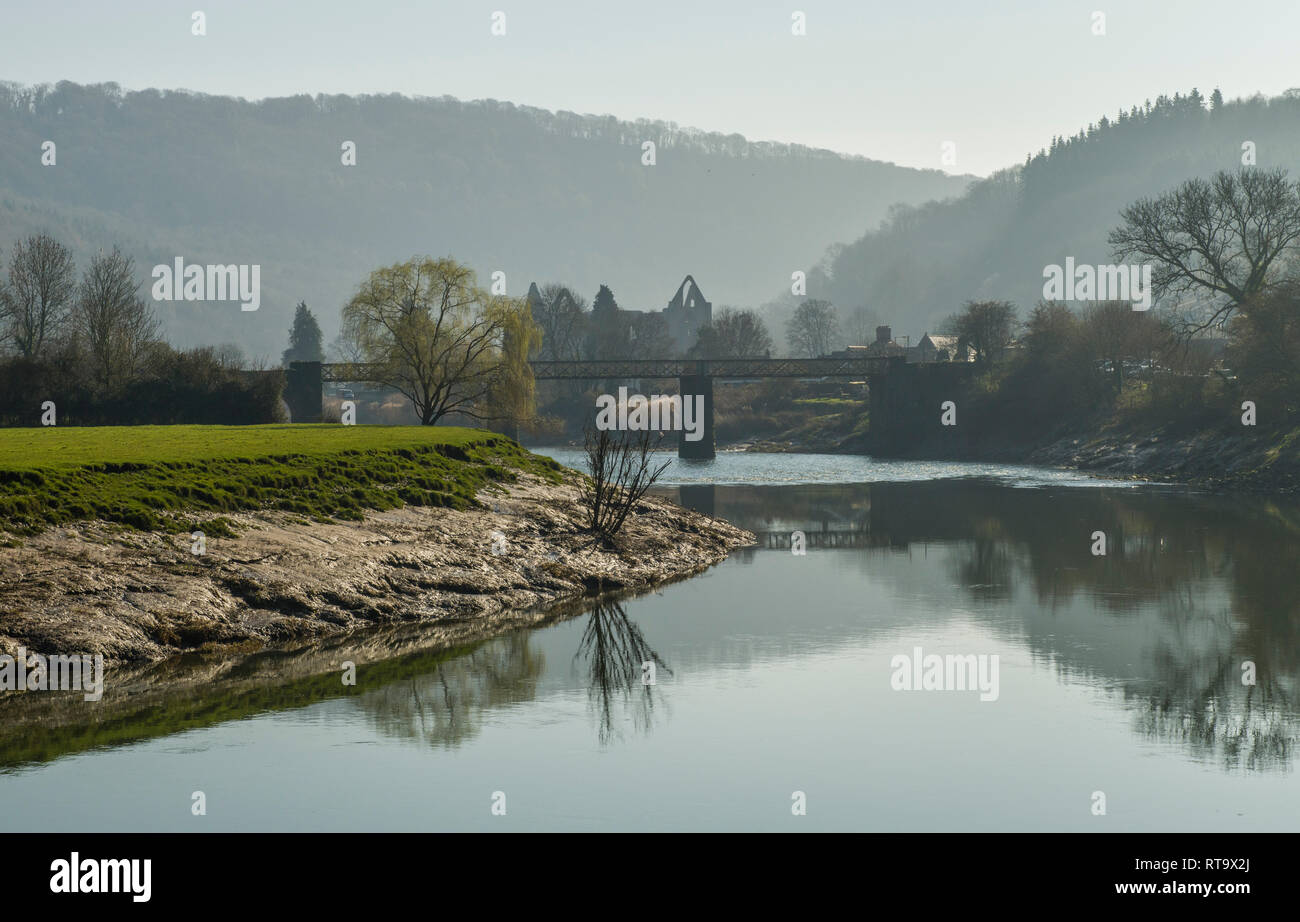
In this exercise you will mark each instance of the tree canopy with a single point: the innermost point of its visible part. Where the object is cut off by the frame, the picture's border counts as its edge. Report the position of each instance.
(434, 334)
(304, 338)
(814, 329)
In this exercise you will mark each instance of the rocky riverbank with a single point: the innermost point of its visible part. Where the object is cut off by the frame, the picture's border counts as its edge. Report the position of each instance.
(1228, 459)
(1219, 460)
(144, 596)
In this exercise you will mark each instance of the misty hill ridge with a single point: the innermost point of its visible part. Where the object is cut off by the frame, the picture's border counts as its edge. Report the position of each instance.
(994, 241)
(539, 195)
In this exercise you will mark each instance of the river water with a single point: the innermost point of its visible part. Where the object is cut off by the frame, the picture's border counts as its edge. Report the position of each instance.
(1155, 688)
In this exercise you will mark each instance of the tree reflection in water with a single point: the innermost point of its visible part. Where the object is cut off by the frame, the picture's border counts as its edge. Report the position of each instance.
(444, 707)
(1192, 588)
(615, 650)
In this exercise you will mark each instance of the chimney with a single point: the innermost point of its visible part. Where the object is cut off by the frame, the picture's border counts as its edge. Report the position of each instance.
(884, 335)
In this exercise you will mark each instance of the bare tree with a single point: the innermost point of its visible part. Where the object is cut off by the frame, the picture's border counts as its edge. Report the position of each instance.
(431, 332)
(560, 314)
(38, 299)
(621, 471)
(114, 322)
(230, 356)
(1113, 333)
(648, 335)
(860, 329)
(988, 327)
(814, 329)
(1223, 238)
(733, 334)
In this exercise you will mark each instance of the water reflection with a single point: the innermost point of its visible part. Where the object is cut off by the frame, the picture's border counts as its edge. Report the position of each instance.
(620, 666)
(445, 707)
(1194, 592)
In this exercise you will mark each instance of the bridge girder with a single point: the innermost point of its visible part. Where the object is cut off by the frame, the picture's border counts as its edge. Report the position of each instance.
(854, 368)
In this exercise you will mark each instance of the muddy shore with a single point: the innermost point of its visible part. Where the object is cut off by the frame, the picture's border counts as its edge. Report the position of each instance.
(141, 597)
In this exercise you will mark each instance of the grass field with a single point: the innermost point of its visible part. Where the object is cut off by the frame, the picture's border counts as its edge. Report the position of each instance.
(152, 477)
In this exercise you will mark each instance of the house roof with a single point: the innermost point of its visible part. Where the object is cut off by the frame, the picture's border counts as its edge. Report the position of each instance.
(943, 341)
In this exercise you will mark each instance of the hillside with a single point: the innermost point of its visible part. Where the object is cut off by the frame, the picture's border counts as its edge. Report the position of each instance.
(539, 195)
(993, 242)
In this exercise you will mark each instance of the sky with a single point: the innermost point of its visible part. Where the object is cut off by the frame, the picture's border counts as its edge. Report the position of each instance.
(894, 81)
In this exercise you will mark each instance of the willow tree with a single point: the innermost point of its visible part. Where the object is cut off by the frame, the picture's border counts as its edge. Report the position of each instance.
(513, 392)
(429, 330)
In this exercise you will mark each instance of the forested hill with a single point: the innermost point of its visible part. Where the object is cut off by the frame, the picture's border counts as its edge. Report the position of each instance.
(994, 241)
(538, 195)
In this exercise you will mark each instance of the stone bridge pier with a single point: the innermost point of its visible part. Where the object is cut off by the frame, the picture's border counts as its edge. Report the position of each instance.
(692, 386)
(905, 406)
(302, 392)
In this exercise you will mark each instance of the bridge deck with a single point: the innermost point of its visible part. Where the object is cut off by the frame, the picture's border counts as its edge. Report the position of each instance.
(714, 368)
(857, 367)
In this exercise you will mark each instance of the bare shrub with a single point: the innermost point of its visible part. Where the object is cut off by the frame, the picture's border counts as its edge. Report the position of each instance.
(621, 470)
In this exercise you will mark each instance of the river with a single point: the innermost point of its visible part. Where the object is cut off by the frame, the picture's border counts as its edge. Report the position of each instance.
(1119, 702)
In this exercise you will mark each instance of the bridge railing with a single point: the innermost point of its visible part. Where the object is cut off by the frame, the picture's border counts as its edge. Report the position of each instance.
(349, 371)
(856, 367)
(715, 368)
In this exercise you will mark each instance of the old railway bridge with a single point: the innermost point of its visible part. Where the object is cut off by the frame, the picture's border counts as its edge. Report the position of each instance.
(904, 397)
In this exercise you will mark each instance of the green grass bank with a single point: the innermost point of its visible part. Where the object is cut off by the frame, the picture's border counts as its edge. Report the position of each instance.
(161, 477)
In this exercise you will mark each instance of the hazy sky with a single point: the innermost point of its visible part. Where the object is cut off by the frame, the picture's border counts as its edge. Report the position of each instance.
(891, 80)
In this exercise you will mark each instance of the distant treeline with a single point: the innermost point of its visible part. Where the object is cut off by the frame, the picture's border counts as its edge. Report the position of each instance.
(172, 387)
(1062, 373)
(86, 351)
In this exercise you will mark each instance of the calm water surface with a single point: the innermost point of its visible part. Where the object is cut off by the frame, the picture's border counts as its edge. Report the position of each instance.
(1119, 674)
